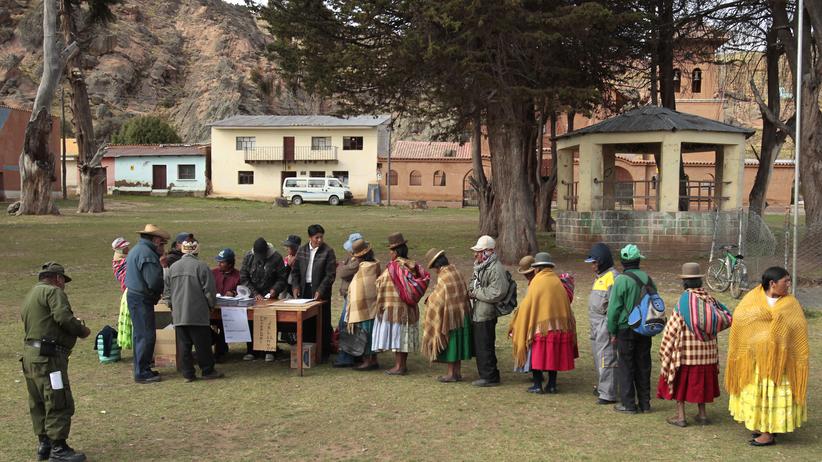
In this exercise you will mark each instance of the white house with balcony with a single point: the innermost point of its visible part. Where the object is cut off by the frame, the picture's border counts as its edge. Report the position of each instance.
(251, 156)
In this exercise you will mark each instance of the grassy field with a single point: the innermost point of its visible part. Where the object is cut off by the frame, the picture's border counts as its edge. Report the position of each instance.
(262, 411)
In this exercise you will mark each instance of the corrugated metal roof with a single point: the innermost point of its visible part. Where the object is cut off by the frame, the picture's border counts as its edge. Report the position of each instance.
(429, 150)
(144, 150)
(656, 119)
(273, 121)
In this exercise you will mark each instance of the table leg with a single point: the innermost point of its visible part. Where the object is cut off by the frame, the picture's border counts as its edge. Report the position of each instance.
(319, 335)
(300, 341)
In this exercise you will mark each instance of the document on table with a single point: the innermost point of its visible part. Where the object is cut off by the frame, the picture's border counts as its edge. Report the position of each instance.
(235, 325)
(298, 301)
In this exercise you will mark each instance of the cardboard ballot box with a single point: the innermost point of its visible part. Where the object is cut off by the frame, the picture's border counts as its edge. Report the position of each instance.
(308, 356)
(165, 346)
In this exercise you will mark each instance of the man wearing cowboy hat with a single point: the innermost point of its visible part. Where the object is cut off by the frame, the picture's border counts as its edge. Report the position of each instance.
(51, 330)
(488, 286)
(144, 281)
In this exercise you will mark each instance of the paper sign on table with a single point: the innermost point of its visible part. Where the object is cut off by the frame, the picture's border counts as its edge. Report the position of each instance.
(298, 301)
(235, 325)
(265, 329)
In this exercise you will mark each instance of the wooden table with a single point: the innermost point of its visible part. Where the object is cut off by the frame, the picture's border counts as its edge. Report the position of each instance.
(290, 313)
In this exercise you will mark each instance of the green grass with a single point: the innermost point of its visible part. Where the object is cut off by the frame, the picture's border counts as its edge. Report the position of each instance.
(262, 411)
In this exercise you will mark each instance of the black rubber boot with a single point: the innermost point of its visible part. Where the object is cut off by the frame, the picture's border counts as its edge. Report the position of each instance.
(62, 452)
(43, 447)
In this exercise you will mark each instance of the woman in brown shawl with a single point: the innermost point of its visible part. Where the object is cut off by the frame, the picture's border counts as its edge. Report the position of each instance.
(447, 329)
(362, 301)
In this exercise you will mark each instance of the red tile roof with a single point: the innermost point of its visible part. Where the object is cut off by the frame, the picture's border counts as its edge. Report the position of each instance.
(142, 150)
(430, 150)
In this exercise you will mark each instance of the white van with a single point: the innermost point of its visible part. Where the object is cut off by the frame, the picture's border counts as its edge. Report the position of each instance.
(305, 189)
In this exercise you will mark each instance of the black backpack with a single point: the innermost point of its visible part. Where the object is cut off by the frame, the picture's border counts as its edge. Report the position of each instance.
(507, 305)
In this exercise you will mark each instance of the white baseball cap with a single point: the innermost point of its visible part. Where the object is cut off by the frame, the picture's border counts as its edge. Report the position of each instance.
(484, 243)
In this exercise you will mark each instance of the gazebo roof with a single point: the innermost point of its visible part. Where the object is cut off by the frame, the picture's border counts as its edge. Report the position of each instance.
(658, 119)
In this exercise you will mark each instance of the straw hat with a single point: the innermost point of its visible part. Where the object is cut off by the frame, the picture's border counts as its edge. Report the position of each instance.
(152, 230)
(691, 270)
(432, 255)
(525, 265)
(395, 240)
(542, 259)
(360, 247)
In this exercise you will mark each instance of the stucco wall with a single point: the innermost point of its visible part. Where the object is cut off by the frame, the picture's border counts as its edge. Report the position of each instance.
(12, 135)
(134, 174)
(449, 195)
(227, 161)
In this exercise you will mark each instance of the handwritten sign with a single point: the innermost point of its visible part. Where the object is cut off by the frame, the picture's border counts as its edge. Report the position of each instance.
(235, 325)
(265, 329)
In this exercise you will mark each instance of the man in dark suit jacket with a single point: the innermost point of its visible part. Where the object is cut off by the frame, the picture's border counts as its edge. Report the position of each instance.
(312, 276)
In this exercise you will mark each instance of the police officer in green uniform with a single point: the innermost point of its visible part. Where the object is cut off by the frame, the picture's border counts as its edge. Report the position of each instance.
(51, 332)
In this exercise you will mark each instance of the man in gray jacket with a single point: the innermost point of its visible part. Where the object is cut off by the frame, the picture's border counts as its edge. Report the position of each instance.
(488, 286)
(191, 296)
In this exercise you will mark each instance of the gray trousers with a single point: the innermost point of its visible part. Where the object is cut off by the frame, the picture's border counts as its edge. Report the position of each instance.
(605, 356)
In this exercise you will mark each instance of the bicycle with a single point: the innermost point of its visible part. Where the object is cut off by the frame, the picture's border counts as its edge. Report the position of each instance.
(728, 272)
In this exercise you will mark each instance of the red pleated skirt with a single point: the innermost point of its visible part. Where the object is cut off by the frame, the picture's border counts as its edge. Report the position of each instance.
(692, 384)
(554, 351)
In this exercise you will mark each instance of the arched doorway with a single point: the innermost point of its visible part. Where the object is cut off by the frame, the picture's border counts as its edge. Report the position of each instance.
(469, 194)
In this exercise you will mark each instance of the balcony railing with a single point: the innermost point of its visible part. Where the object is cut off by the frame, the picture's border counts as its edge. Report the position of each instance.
(297, 154)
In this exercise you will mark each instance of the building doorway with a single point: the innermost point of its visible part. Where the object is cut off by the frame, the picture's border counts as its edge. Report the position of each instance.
(158, 177)
(288, 148)
(283, 176)
(470, 198)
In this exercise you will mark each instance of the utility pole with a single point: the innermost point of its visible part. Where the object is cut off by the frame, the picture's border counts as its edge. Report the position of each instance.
(63, 134)
(800, 12)
(388, 176)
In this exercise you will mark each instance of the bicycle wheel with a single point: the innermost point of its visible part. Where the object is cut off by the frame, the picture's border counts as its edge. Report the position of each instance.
(739, 280)
(717, 276)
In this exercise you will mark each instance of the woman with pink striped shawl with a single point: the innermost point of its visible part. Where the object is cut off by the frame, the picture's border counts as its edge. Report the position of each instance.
(688, 353)
(118, 265)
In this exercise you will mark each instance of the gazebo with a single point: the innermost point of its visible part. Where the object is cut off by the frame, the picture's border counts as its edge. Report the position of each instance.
(590, 200)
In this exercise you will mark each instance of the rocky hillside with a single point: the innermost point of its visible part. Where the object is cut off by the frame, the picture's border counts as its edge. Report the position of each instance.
(191, 61)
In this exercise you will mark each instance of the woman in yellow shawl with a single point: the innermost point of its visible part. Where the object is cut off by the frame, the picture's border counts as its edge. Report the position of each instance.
(543, 328)
(767, 373)
(447, 334)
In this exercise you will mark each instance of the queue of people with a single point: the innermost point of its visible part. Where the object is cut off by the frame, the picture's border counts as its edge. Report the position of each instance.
(766, 374)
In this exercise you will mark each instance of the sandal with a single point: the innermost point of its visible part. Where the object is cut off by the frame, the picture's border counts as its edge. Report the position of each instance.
(701, 420)
(447, 379)
(676, 422)
(393, 372)
(370, 367)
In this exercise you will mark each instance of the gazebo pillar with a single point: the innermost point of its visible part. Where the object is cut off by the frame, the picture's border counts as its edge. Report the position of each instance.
(590, 177)
(669, 174)
(565, 177)
(733, 171)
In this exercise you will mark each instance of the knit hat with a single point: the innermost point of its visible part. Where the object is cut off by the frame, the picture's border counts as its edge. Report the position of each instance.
(351, 238)
(260, 247)
(119, 244)
(630, 253)
(192, 247)
(225, 255)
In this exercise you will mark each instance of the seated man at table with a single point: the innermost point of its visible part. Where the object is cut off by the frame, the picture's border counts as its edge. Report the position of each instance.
(264, 273)
(226, 278)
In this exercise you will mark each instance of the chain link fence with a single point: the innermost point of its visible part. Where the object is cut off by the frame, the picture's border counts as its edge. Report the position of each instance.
(769, 242)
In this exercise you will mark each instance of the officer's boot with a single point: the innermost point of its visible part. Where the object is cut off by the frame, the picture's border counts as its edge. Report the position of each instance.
(62, 452)
(43, 447)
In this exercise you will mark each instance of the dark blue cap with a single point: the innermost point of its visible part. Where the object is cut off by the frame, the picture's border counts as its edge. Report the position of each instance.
(225, 255)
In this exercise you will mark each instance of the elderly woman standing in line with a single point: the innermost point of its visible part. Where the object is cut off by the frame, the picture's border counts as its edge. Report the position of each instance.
(447, 328)
(345, 273)
(688, 352)
(543, 329)
(362, 303)
(399, 288)
(525, 269)
(767, 373)
(118, 265)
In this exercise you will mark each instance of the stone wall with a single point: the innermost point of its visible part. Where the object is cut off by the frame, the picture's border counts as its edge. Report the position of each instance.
(661, 234)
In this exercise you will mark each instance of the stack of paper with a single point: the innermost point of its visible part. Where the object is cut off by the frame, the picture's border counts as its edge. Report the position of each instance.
(234, 301)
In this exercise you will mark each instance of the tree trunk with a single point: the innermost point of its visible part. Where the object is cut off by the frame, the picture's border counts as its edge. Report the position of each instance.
(543, 200)
(485, 193)
(36, 162)
(548, 186)
(90, 191)
(511, 136)
(665, 51)
(772, 138)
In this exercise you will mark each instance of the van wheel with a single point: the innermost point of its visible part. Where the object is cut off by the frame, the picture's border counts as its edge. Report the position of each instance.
(297, 200)
(334, 200)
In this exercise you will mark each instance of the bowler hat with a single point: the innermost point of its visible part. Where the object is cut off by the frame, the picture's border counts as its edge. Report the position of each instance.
(153, 230)
(691, 270)
(395, 240)
(432, 255)
(525, 265)
(542, 259)
(53, 268)
(360, 248)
